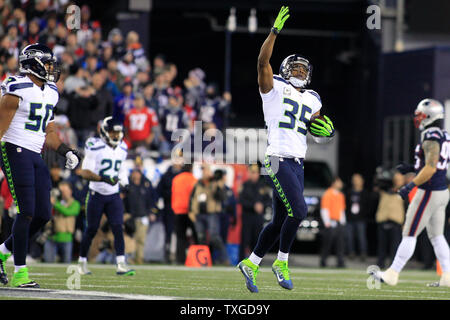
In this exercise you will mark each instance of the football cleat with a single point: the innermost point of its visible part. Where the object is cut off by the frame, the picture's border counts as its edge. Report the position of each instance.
(83, 269)
(250, 271)
(443, 282)
(389, 276)
(281, 271)
(124, 270)
(3, 275)
(20, 279)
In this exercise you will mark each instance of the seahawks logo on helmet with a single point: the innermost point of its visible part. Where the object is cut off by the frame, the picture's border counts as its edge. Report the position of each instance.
(39, 60)
(427, 112)
(109, 125)
(289, 64)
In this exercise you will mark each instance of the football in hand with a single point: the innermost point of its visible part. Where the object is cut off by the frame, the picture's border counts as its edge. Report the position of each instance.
(314, 118)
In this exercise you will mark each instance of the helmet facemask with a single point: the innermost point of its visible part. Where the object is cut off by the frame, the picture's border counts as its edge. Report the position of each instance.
(107, 128)
(296, 70)
(40, 64)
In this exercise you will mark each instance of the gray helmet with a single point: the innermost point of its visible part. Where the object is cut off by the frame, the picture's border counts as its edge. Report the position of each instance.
(428, 111)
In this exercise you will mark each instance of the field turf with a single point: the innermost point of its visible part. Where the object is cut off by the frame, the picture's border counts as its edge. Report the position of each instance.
(173, 282)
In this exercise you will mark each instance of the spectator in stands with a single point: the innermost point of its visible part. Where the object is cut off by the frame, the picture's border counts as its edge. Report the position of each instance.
(161, 88)
(172, 118)
(390, 216)
(32, 35)
(116, 39)
(127, 66)
(182, 186)
(135, 47)
(204, 209)
(114, 79)
(140, 124)
(159, 62)
(105, 103)
(253, 198)
(332, 211)
(358, 207)
(140, 203)
(214, 107)
(150, 100)
(83, 102)
(76, 79)
(124, 102)
(65, 209)
(195, 88)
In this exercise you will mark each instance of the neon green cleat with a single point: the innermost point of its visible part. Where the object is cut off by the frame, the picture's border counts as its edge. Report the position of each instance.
(20, 279)
(250, 271)
(281, 271)
(123, 270)
(3, 275)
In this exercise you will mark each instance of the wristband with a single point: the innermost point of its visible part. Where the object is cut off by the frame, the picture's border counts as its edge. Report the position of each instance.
(275, 31)
(63, 149)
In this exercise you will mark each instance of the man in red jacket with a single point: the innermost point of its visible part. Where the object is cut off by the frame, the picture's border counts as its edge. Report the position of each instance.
(140, 124)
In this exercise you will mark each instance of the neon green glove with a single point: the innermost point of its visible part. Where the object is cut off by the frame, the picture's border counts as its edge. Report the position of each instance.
(321, 128)
(283, 15)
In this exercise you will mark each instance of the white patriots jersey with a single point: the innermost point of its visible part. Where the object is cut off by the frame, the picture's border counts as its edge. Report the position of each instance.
(35, 111)
(104, 160)
(287, 113)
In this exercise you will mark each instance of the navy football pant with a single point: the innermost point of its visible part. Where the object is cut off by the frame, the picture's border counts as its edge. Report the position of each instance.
(286, 177)
(96, 205)
(30, 184)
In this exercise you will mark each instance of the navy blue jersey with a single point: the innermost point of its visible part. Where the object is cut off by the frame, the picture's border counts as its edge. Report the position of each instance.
(438, 180)
(212, 110)
(172, 119)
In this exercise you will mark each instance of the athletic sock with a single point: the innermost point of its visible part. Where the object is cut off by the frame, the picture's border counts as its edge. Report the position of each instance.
(254, 259)
(17, 268)
(120, 259)
(82, 259)
(441, 250)
(404, 253)
(4, 249)
(282, 256)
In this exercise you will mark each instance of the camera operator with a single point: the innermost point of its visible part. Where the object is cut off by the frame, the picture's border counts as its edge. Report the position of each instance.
(205, 207)
(389, 216)
(65, 209)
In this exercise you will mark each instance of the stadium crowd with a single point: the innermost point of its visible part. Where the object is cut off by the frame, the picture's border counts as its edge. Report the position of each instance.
(113, 75)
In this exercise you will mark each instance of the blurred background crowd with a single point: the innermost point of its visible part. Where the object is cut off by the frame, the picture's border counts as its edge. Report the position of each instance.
(109, 72)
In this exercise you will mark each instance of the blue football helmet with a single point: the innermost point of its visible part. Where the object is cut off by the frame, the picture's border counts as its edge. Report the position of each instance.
(289, 63)
(39, 60)
(108, 125)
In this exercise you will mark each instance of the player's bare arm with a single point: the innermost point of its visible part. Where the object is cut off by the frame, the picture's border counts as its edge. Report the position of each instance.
(51, 137)
(265, 73)
(53, 141)
(431, 151)
(89, 175)
(8, 107)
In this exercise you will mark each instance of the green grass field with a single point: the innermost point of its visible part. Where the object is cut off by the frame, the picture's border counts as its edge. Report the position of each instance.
(173, 282)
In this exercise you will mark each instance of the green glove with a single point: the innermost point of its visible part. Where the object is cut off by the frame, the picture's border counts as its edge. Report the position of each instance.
(321, 128)
(283, 15)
